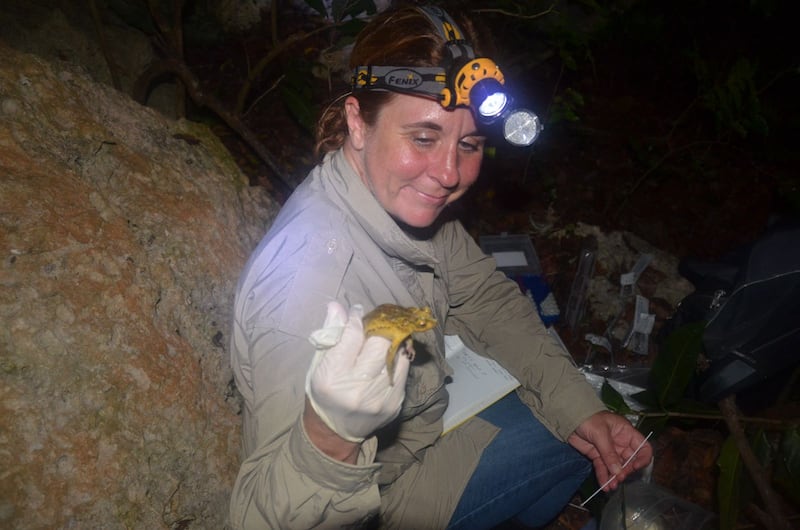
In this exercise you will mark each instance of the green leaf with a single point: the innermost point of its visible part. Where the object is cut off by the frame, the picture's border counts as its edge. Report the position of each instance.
(676, 363)
(297, 94)
(613, 399)
(647, 398)
(761, 447)
(317, 6)
(300, 107)
(341, 9)
(654, 424)
(787, 469)
(729, 484)
(363, 6)
(763, 452)
(735, 487)
(350, 29)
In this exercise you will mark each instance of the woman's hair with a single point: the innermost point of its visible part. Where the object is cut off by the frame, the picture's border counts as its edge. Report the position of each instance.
(397, 37)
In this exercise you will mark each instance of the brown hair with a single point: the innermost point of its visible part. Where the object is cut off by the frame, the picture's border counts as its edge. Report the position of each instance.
(397, 37)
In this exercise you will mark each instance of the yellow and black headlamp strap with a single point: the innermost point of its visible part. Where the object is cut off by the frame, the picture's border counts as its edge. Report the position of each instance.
(426, 81)
(459, 49)
(449, 84)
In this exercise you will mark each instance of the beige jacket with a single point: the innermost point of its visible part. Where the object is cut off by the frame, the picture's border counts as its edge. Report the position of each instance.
(333, 241)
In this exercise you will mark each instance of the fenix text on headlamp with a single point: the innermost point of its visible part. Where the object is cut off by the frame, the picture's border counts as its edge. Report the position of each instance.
(464, 81)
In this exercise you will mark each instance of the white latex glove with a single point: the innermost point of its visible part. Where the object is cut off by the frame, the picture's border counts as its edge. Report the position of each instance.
(347, 383)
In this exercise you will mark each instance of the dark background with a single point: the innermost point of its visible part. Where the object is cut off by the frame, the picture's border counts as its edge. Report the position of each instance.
(672, 120)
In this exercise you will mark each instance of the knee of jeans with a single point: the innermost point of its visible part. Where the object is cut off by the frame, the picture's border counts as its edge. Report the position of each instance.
(583, 467)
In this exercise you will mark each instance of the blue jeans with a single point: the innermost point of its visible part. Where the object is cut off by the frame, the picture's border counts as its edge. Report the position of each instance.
(524, 474)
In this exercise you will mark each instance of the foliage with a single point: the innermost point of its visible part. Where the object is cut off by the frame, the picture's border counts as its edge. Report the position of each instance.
(728, 486)
(296, 93)
(548, 52)
(201, 27)
(567, 106)
(675, 366)
(342, 9)
(613, 399)
(787, 474)
(733, 487)
(732, 101)
(665, 400)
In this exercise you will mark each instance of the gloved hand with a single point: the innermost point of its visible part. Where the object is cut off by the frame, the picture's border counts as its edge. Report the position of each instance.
(347, 383)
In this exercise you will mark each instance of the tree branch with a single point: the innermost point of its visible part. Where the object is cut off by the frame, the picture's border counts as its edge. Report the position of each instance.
(515, 15)
(101, 37)
(268, 58)
(774, 512)
(201, 98)
(699, 416)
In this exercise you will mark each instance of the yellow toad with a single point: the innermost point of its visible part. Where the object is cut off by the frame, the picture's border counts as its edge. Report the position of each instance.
(397, 323)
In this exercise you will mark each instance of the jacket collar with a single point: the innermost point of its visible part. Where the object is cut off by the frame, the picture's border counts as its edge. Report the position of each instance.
(344, 182)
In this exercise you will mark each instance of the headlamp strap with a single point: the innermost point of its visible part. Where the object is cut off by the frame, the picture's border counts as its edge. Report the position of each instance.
(462, 80)
(457, 46)
(413, 80)
(450, 83)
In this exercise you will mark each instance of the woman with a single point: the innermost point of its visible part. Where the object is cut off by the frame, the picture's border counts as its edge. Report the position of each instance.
(331, 439)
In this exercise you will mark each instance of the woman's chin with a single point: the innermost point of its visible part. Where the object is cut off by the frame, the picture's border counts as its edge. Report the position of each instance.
(419, 220)
(418, 227)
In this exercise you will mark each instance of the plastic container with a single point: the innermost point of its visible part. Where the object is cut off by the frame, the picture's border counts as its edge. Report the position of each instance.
(516, 257)
(649, 507)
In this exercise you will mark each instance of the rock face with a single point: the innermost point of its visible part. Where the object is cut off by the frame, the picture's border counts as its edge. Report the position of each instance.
(122, 234)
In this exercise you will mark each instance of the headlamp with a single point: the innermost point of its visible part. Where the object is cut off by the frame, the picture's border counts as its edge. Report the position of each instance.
(464, 81)
(491, 100)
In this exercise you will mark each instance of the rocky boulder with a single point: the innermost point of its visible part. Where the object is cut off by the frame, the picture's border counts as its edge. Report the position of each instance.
(122, 234)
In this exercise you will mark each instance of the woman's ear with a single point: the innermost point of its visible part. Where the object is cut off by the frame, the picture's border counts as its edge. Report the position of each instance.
(356, 127)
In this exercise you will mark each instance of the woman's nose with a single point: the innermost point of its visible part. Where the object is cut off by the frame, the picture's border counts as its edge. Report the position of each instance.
(445, 167)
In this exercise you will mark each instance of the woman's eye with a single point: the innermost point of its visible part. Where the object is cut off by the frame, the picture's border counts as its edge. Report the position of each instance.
(471, 146)
(423, 141)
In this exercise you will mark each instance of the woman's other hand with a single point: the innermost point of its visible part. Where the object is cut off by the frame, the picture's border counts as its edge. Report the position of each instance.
(609, 440)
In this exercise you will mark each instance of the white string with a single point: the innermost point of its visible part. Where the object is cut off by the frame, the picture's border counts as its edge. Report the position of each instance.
(628, 461)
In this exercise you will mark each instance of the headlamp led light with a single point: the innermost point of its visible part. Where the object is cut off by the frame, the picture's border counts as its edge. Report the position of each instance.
(466, 81)
(521, 127)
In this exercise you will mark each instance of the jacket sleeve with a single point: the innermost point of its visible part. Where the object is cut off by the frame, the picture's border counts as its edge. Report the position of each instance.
(493, 317)
(284, 480)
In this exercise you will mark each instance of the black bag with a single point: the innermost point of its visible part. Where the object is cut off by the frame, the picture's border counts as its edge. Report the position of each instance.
(751, 303)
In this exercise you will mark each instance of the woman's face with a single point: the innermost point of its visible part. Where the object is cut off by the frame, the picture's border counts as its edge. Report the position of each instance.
(417, 158)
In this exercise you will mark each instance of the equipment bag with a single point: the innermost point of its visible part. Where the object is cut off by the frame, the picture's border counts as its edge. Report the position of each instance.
(751, 303)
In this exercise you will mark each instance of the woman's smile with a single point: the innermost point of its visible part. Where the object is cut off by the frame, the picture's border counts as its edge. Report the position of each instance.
(417, 158)
(434, 198)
